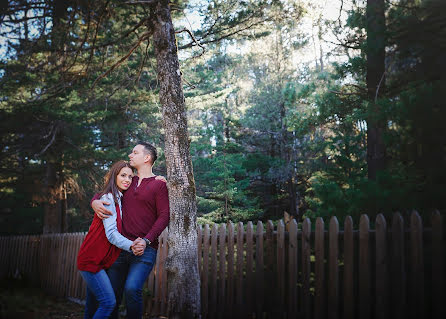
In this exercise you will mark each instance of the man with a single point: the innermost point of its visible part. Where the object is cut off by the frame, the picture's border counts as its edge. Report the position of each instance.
(145, 214)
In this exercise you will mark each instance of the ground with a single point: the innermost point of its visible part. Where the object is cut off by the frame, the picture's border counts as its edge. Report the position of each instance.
(19, 300)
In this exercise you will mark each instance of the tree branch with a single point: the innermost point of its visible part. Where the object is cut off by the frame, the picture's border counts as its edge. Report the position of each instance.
(194, 40)
(145, 36)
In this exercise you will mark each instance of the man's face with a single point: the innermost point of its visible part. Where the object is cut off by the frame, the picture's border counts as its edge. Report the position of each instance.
(138, 157)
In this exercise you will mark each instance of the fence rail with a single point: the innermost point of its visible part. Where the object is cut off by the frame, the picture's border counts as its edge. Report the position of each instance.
(395, 270)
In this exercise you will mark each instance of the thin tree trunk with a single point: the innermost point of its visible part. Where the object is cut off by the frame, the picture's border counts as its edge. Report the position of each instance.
(376, 42)
(55, 206)
(182, 261)
(55, 201)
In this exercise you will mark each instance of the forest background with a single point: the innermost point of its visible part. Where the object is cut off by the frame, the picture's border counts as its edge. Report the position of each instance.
(316, 108)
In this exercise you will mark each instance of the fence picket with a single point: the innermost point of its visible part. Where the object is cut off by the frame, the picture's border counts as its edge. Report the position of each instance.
(260, 277)
(319, 271)
(213, 272)
(249, 268)
(280, 263)
(222, 271)
(306, 267)
(269, 268)
(200, 250)
(349, 295)
(73, 268)
(230, 265)
(205, 273)
(398, 273)
(292, 269)
(333, 269)
(239, 269)
(79, 282)
(382, 287)
(438, 252)
(164, 248)
(364, 268)
(416, 266)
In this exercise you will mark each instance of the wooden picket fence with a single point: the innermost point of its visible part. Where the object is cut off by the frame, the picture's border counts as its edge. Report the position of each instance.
(286, 271)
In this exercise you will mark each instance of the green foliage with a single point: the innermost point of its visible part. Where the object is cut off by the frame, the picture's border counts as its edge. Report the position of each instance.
(268, 134)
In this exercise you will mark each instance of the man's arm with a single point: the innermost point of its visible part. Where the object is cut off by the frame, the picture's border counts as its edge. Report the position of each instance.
(162, 211)
(161, 178)
(99, 208)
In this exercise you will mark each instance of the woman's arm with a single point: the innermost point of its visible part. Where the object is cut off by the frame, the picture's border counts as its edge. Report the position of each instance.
(111, 228)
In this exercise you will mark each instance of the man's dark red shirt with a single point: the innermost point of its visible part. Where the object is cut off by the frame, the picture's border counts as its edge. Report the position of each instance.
(145, 209)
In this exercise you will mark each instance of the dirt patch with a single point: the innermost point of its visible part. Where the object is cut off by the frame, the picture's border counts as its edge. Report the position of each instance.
(19, 300)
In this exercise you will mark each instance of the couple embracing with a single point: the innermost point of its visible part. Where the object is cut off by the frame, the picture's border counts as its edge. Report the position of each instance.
(119, 251)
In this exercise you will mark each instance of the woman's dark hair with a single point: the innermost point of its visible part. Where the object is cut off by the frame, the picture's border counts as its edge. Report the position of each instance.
(110, 180)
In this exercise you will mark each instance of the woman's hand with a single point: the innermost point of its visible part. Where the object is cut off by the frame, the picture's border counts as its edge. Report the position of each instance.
(138, 246)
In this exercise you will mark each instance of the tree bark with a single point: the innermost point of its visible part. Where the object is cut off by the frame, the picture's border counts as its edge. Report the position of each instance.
(182, 261)
(55, 207)
(376, 41)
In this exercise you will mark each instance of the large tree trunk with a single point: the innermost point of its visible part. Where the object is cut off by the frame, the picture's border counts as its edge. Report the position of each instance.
(182, 261)
(376, 41)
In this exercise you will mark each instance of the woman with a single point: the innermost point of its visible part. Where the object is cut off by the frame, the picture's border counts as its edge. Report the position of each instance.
(103, 243)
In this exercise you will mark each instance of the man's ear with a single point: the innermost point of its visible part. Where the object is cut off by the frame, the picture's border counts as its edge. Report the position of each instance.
(147, 158)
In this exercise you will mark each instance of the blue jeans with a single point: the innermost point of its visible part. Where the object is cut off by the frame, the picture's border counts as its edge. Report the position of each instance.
(100, 295)
(128, 274)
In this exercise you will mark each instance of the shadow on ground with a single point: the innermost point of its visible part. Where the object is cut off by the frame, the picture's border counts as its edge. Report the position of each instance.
(20, 300)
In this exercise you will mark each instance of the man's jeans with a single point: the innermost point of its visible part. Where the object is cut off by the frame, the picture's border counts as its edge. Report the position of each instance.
(129, 273)
(100, 296)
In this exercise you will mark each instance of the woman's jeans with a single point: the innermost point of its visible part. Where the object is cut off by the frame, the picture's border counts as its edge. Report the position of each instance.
(100, 295)
(128, 274)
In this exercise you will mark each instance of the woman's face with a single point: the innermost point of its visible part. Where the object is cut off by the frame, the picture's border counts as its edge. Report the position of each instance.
(124, 178)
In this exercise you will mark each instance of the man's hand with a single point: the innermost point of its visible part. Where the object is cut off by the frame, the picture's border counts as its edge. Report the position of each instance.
(138, 246)
(161, 178)
(99, 209)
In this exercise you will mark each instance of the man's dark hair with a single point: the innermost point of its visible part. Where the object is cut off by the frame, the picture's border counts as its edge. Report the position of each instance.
(149, 149)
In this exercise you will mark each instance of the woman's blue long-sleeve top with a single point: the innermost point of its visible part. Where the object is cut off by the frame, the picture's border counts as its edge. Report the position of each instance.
(110, 224)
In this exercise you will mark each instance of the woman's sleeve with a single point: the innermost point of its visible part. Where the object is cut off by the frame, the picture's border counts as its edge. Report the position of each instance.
(111, 228)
